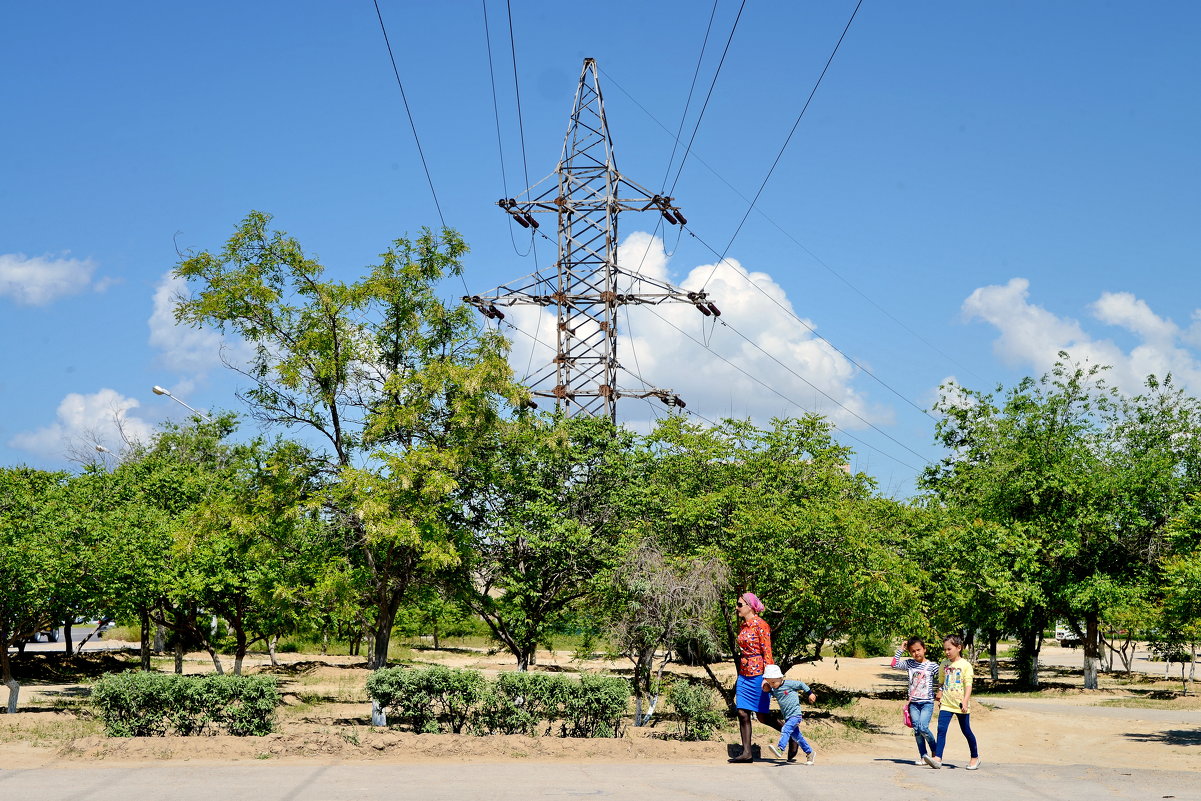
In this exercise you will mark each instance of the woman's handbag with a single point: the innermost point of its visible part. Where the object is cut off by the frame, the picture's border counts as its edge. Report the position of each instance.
(905, 714)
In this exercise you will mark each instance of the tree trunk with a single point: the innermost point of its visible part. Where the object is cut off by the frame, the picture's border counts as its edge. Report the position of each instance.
(726, 694)
(242, 647)
(160, 637)
(992, 655)
(435, 633)
(382, 636)
(1029, 645)
(1092, 650)
(144, 646)
(178, 655)
(6, 672)
(67, 635)
(216, 660)
(271, 641)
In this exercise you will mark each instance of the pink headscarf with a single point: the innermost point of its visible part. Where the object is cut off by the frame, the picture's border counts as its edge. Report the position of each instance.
(753, 602)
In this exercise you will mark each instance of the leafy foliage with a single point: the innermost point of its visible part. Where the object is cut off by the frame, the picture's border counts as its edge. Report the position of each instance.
(437, 699)
(696, 717)
(155, 704)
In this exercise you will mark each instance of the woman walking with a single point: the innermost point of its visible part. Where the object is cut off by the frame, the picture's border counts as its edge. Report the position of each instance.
(754, 654)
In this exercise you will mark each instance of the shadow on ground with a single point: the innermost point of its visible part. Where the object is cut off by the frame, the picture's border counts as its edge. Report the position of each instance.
(1168, 737)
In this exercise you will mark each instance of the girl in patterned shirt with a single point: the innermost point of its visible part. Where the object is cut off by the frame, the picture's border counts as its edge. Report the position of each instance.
(922, 677)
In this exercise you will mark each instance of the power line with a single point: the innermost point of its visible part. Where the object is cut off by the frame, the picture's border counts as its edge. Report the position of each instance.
(504, 178)
(772, 389)
(517, 89)
(811, 329)
(688, 103)
(796, 241)
(708, 96)
(412, 125)
(684, 116)
(525, 169)
(788, 138)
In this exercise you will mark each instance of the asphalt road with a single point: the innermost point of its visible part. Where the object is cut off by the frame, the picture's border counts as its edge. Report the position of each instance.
(77, 634)
(764, 781)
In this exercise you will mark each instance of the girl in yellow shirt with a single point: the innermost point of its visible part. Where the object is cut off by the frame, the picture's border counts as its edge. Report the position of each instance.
(955, 695)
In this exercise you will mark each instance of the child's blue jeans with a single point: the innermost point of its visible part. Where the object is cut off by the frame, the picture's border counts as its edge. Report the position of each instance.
(920, 713)
(792, 728)
(965, 726)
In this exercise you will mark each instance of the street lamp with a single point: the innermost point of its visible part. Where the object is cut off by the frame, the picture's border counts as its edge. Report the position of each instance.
(160, 391)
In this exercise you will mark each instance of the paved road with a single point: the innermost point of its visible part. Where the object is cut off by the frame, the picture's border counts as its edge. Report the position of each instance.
(1053, 655)
(765, 781)
(77, 634)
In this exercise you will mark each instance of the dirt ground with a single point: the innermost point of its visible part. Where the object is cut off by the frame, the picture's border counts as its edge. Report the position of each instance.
(1140, 724)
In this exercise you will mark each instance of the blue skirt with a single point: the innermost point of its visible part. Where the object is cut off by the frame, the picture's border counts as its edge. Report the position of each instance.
(748, 693)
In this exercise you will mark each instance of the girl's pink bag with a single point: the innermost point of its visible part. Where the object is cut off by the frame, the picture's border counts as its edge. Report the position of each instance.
(908, 720)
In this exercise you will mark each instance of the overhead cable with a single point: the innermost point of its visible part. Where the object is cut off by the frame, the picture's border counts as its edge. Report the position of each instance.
(797, 242)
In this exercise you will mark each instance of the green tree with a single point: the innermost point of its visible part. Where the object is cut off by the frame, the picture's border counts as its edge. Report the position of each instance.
(549, 506)
(1065, 464)
(400, 389)
(792, 523)
(33, 572)
(652, 601)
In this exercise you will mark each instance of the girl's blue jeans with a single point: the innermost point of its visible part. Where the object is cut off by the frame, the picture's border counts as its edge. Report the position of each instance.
(792, 728)
(965, 726)
(920, 713)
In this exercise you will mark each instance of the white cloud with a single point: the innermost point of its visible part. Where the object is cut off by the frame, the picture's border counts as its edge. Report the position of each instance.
(181, 348)
(100, 418)
(650, 345)
(1031, 336)
(38, 280)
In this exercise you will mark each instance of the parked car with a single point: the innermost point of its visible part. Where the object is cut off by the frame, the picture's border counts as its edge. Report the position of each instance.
(1069, 635)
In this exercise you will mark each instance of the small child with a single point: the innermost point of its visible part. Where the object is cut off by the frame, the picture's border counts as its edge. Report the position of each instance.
(786, 694)
(955, 696)
(922, 676)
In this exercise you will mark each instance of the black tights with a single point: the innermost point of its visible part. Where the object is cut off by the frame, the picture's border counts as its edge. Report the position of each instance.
(744, 728)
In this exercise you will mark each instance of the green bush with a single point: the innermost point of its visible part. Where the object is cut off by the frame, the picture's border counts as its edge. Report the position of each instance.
(518, 702)
(696, 719)
(155, 704)
(593, 707)
(438, 699)
(429, 700)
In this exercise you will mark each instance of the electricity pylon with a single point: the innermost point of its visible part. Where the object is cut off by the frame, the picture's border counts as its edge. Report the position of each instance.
(589, 285)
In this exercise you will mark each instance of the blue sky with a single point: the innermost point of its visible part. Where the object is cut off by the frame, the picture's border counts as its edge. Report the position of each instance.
(974, 187)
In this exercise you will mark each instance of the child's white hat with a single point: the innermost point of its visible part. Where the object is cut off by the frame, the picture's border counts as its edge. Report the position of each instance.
(772, 672)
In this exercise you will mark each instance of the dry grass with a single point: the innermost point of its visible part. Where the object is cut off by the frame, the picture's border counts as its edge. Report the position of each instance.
(52, 729)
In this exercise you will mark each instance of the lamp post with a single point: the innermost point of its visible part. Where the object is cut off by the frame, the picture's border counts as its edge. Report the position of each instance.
(157, 390)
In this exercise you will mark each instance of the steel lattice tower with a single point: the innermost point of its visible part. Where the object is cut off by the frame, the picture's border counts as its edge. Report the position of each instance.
(589, 286)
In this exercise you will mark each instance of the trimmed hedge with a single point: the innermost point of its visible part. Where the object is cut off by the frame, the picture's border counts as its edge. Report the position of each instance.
(155, 704)
(439, 699)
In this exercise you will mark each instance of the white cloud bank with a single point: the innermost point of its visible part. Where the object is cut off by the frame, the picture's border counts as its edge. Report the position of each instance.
(82, 421)
(39, 280)
(650, 345)
(1031, 336)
